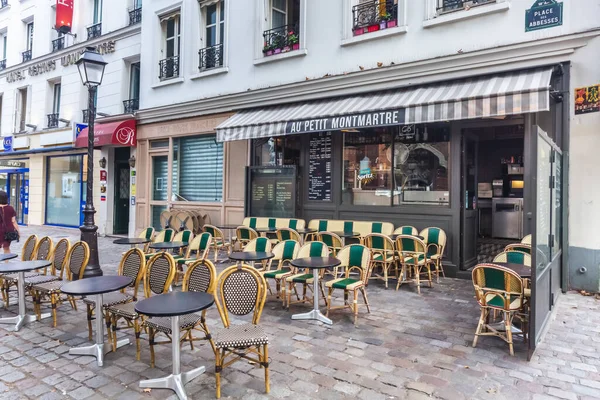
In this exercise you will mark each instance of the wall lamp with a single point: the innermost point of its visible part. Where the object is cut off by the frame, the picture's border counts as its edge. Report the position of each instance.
(132, 161)
(102, 162)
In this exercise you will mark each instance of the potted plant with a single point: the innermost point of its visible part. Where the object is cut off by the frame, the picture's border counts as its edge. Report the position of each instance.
(373, 28)
(359, 31)
(277, 44)
(268, 50)
(391, 22)
(384, 20)
(293, 40)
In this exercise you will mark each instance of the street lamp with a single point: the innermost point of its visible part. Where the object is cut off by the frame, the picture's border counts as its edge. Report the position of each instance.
(91, 69)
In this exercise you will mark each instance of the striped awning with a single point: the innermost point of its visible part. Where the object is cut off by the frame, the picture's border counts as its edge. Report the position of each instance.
(497, 95)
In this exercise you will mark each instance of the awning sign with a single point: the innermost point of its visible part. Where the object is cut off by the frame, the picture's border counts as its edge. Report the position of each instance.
(366, 120)
(543, 14)
(64, 15)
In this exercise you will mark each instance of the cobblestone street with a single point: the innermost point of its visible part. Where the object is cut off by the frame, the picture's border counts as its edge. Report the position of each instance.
(409, 347)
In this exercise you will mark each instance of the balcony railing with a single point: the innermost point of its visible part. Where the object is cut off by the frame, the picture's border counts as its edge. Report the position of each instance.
(210, 57)
(58, 44)
(53, 120)
(85, 116)
(3, 3)
(26, 55)
(168, 68)
(135, 16)
(94, 31)
(374, 15)
(281, 39)
(455, 5)
(130, 106)
(2, 64)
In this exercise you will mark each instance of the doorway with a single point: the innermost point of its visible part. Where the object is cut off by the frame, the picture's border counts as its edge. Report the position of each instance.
(121, 191)
(16, 184)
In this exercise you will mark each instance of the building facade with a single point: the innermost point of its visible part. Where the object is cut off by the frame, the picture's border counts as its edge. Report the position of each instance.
(44, 110)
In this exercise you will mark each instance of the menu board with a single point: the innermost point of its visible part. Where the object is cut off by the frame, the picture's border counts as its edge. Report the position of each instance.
(319, 167)
(271, 192)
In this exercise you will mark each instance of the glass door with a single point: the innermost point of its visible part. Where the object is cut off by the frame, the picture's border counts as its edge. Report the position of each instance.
(18, 195)
(159, 183)
(469, 210)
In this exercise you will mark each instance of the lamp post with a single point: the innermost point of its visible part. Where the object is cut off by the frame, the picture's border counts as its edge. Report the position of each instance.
(91, 69)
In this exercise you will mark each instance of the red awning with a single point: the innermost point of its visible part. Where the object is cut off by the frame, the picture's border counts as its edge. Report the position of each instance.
(122, 133)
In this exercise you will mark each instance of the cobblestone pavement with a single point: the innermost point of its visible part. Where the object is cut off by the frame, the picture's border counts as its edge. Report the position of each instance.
(409, 346)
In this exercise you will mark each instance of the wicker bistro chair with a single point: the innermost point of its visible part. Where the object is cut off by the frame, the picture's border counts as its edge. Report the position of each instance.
(261, 244)
(58, 257)
(311, 249)
(412, 255)
(435, 239)
(284, 234)
(147, 234)
(132, 265)
(185, 236)
(497, 289)
(218, 242)
(8, 280)
(241, 291)
(284, 251)
(523, 248)
(526, 240)
(516, 257)
(158, 277)
(406, 230)
(165, 235)
(244, 235)
(76, 262)
(200, 245)
(383, 255)
(201, 276)
(333, 241)
(355, 258)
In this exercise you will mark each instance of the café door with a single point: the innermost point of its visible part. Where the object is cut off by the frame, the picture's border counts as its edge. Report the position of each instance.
(17, 188)
(469, 224)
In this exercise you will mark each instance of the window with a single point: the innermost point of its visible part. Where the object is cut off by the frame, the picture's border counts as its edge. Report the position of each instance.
(283, 22)
(211, 55)
(278, 13)
(64, 190)
(54, 115)
(171, 29)
(133, 103)
(374, 15)
(135, 13)
(29, 36)
(97, 11)
(21, 110)
(197, 169)
(4, 39)
(455, 5)
(58, 38)
(277, 151)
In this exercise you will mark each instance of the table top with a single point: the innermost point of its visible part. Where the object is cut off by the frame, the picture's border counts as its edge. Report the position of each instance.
(96, 285)
(227, 226)
(345, 234)
(521, 269)
(266, 229)
(250, 256)
(167, 245)
(174, 303)
(315, 262)
(393, 236)
(305, 231)
(10, 256)
(132, 241)
(23, 266)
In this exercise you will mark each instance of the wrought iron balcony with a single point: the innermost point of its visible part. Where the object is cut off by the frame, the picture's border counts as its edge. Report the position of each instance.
(26, 55)
(168, 68)
(210, 57)
(2, 64)
(374, 15)
(281, 39)
(455, 5)
(94, 31)
(130, 106)
(85, 116)
(135, 16)
(53, 120)
(58, 44)
(3, 3)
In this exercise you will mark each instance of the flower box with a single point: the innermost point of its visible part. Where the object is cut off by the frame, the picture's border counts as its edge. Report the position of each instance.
(373, 28)
(277, 51)
(392, 23)
(382, 24)
(359, 31)
(286, 49)
(269, 52)
(296, 46)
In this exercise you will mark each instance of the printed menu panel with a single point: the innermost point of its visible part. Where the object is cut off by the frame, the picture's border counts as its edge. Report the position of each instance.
(319, 167)
(272, 192)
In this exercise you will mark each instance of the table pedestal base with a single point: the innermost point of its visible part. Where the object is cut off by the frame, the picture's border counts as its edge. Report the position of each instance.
(173, 382)
(97, 350)
(314, 314)
(23, 318)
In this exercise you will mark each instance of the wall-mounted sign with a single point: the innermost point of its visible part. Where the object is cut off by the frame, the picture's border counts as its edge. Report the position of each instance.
(543, 14)
(7, 143)
(319, 167)
(102, 48)
(64, 15)
(12, 164)
(33, 70)
(587, 99)
(366, 120)
(103, 175)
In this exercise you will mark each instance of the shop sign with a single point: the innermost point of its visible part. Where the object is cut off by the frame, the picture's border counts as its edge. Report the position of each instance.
(34, 70)
(543, 14)
(12, 164)
(364, 120)
(587, 99)
(364, 173)
(64, 15)
(102, 48)
(7, 143)
(103, 175)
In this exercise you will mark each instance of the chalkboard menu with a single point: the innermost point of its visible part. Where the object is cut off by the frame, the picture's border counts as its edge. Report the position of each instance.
(271, 192)
(319, 167)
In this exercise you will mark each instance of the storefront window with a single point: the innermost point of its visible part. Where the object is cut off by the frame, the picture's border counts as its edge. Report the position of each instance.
(197, 169)
(63, 190)
(278, 151)
(160, 167)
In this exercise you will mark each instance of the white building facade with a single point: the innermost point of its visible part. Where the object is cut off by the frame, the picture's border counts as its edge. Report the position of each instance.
(44, 108)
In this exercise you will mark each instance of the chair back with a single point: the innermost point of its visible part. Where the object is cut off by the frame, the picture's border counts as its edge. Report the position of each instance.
(524, 248)
(526, 240)
(59, 256)
(77, 260)
(356, 257)
(259, 244)
(28, 250)
(201, 245)
(313, 249)
(245, 234)
(515, 257)
(43, 249)
(133, 265)
(333, 241)
(435, 239)
(410, 247)
(284, 234)
(160, 272)
(216, 233)
(406, 230)
(380, 245)
(184, 236)
(147, 233)
(242, 290)
(165, 235)
(286, 251)
(201, 276)
(497, 287)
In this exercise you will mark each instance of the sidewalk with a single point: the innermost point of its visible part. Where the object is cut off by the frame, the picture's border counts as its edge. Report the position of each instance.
(409, 347)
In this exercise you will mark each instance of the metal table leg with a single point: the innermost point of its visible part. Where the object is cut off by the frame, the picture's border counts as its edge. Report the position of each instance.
(99, 349)
(315, 313)
(23, 318)
(177, 380)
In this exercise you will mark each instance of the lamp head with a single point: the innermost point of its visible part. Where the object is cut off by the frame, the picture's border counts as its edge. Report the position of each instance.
(91, 67)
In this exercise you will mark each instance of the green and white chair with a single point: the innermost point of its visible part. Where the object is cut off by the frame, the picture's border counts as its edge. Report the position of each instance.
(435, 239)
(514, 257)
(285, 251)
(311, 249)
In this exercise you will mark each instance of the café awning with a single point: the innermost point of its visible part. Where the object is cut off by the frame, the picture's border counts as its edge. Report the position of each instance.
(497, 95)
(121, 133)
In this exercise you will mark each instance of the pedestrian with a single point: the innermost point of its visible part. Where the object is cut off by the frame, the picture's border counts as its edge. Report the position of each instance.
(9, 229)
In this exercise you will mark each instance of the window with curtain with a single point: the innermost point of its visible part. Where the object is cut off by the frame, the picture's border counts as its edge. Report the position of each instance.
(278, 13)
(56, 99)
(172, 32)
(4, 43)
(97, 11)
(197, 169)
(30, 36)
(215, 23)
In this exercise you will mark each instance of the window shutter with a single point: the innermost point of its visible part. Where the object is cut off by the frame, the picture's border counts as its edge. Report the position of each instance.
(201, 169)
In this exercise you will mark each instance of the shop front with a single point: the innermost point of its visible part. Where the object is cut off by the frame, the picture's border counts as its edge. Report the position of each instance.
(65, 190)
(14, 180)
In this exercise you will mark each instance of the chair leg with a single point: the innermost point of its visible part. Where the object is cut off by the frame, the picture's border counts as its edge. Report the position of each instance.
(364, 295)
(385, 275)
(113, 327)
(90, 314)
(355, 307)
(329, 301)
(289, 294)
(151, 341)
(323, 293)
(53, 302)
(218, 369)
(191, 338)
(482, 318)
(508, 330)
(418, 279)
(266, 365)
(138, 347)
(400, 277)
(429, 275)
(106, 317)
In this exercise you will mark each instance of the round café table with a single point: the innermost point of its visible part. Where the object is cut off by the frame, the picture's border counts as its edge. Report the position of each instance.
(346, 234)
(394, 236)
(97, 286)
(250, 256)
(315, 263)
(9, 256)
(164, 246)
(173, 305)
(20, 267)
(132, 241)
(521, 269)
